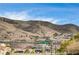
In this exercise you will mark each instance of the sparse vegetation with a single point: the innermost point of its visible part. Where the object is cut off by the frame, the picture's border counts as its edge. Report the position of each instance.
(14, 31)
(70, 46)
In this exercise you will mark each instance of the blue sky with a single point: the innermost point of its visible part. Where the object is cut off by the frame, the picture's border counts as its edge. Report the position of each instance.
(52, 12)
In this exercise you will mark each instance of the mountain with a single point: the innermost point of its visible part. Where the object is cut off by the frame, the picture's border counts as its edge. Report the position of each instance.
(25, 30)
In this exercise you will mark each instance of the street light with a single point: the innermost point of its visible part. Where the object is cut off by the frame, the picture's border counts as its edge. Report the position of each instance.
(53, 44)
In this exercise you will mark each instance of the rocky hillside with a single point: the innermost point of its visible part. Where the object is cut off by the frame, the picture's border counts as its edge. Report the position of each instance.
(25, 30)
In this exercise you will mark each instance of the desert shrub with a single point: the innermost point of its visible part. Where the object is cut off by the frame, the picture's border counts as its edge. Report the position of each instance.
(76, 37)
(73, 48)
(63, 45)
(70, 46)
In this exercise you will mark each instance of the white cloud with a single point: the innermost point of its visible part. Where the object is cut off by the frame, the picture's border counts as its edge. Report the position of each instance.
(15, 15)
(52, 20)
(23, 15)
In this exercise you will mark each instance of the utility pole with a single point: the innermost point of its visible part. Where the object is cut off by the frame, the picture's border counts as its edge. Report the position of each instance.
(55, 47)
(39, 24)
(51, 46)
